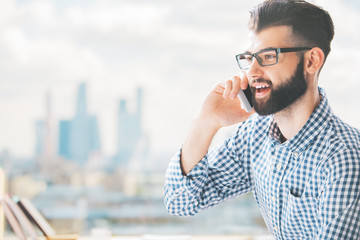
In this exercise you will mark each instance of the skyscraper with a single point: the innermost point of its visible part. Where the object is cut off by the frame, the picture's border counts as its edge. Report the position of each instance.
(45, 138)
(64, 138)
(129, 129)
(40, 137)
(79, 137)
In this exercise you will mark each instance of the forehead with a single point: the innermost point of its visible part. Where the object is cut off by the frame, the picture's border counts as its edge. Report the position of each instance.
(279, 36)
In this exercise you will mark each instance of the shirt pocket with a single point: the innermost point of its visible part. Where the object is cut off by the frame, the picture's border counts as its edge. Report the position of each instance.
(299, 216)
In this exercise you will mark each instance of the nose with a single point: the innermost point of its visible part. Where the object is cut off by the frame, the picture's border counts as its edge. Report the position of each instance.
(255, 70)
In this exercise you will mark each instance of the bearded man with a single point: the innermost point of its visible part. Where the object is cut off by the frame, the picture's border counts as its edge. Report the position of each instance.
(300, 161)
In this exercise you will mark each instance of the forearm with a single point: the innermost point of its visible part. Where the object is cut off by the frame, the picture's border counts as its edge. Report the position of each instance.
(182, 192)
(187, 195)
(196, 191)
(197, 143)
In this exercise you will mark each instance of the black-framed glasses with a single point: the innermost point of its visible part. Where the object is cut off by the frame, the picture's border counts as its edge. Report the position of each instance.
(265, 57)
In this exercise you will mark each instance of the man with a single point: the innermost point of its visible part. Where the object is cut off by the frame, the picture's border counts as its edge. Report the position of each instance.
(301, 162)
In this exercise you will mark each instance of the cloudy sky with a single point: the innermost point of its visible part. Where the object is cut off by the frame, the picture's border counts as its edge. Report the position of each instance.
(176, 50)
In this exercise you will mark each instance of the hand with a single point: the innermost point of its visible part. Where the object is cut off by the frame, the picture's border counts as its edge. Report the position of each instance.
(222, 107)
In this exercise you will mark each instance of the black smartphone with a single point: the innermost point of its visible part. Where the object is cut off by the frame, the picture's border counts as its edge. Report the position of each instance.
(246, 99)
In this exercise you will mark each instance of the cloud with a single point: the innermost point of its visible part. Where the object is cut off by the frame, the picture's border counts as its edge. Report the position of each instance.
(176, 49)
(107, 16)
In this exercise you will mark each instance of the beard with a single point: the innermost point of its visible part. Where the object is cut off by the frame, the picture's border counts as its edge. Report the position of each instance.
(283, 95)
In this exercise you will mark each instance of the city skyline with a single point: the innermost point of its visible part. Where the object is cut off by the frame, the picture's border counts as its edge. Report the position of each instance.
(78, 138)
(176, 51)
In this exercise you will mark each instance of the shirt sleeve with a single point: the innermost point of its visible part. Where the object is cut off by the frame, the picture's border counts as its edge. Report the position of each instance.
(220, 175)
(339, 214)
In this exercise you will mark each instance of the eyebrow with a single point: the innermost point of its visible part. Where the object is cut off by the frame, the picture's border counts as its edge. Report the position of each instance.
(264, 49)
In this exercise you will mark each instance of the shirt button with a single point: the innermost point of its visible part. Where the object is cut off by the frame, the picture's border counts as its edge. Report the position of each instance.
(273, 199)
(296, 154)
(278, 166)
(275, 228)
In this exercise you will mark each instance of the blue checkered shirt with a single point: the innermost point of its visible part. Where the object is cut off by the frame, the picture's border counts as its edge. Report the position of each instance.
(306, 187)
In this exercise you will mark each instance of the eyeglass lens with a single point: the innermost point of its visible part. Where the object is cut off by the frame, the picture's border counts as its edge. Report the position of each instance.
(265, 58)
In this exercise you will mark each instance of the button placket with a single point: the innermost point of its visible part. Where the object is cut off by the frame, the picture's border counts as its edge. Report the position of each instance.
(279, 169)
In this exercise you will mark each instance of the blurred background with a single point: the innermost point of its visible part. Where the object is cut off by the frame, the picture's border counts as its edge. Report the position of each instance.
(96, 97)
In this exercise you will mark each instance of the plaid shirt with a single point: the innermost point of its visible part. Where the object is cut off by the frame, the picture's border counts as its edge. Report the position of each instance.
(306, 187)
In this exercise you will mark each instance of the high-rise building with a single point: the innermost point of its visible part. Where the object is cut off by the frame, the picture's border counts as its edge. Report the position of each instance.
(79, 137)
(45, 137)
(40, 137)
(129, 129)
(64, 138)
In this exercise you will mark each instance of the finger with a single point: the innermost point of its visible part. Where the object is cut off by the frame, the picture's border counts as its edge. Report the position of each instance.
(219, 88)
(244, 80)
(236, 81)
(228, 87)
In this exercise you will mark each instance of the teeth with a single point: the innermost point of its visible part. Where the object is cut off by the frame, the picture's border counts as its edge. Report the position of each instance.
(259, 87)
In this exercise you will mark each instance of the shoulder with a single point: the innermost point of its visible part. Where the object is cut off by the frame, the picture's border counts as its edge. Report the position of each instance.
(344, 148)
(348, 136)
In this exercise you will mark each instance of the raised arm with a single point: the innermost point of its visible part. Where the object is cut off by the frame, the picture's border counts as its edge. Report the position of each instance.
(192, 184)
(220, 108)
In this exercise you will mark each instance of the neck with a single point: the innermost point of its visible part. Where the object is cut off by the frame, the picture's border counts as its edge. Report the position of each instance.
(293, 118)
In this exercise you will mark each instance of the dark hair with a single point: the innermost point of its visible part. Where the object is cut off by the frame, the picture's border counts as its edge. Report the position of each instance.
(311, 25)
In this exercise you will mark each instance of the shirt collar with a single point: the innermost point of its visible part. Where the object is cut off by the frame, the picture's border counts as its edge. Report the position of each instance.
(313, 126)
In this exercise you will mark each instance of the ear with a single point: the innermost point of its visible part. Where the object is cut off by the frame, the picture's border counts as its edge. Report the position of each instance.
(313, 60)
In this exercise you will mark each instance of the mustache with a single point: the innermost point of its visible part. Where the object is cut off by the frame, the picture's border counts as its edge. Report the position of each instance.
(261, 80)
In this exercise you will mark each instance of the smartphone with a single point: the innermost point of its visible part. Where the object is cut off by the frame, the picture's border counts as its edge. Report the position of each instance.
(246, 99)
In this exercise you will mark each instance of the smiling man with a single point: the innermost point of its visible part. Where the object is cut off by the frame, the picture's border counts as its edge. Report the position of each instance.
(300, 161)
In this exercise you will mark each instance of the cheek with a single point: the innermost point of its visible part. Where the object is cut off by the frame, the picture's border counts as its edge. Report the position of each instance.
(275, 77)
(281, 73)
